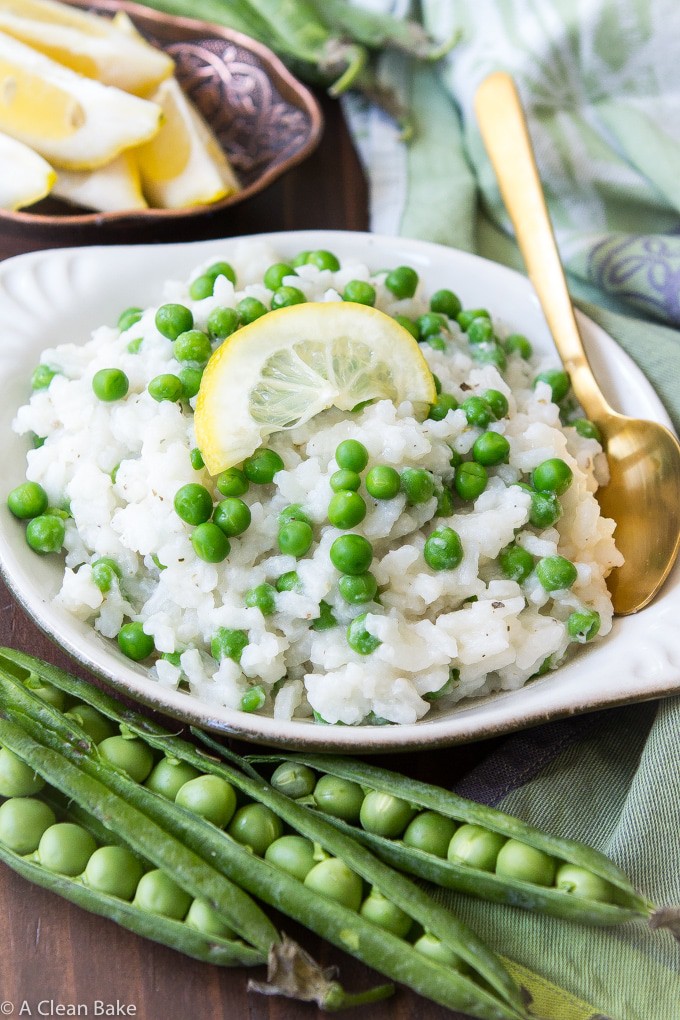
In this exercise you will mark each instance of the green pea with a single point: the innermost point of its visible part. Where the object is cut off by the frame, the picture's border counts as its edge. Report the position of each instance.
(109, 384)
(193, 503)
(300, 259)
(221, 269)
(444, 403)
(65, 848)
(323, 260)
(490, 448)
(477, 411)
(128, 317)
(262, 597)
(158, 893)
(115, 871)
(232, 482)
(135, 346)
(468, 315)
(196, 459)
(295, 538)
(383, 482)
(96, 725)
(516, 563)
(431, 324)
(587, 429)
(583, 884)
(284, 297)
(130, 755)
(545, 509)
(339, 797)
(351, 554)
(334, 880)
(437, 343)
(293, 779)
(46, 692)
(345, 480)
(434, 949)
(27, 500)
(325, 620)
(210, 543)
(480, 331)
(359, 638)
(445, 505)
(249, 309)
(228, 644)
(209, 796)
(525, 863)
(358, 588)
(172, 319)
(169, 775)
(430, 832)
(387, 915)
(165, 387)
(104, 570)
(253, 699)
(222, 322)
(385, 815)
(17, 779)
(553, 475)
(45, 534)
(42, 377)
(276, 274)
(190, 378)
(202, 917)
(475, 847)
(470, 480)
(194, 345)
(351, 455)
(517, 343)
(359, 291)
(402, 281)
(417, 485)
(134, 642)
(289, 581)
(256, 826)
(23, 820)
(232, 516)
(556, 572)
(443, 549)
(408, 324)
(262, 466)
(293, 854)
(558, 381)
(294, 512)
(498, 403)
(346, 509)
(201, 287)
(445, 302)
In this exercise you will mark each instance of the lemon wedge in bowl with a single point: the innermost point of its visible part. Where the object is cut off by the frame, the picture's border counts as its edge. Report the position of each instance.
(109, 188)
(72, 121)
(291, 364)
(25, 177)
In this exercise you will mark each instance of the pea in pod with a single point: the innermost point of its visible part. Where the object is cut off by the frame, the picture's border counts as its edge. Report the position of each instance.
(51, 749)
(627, 903)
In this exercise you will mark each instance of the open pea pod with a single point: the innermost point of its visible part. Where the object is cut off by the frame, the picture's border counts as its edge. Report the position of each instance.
(627, 903)
(55, 748)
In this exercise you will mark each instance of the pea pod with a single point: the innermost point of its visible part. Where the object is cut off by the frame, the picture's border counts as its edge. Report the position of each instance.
(629, 904)
(377, 948)
(378, 31)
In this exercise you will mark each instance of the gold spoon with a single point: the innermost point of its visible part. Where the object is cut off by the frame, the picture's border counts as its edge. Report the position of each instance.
(643, 493)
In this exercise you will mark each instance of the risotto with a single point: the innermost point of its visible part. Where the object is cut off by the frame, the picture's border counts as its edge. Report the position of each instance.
(358, 568)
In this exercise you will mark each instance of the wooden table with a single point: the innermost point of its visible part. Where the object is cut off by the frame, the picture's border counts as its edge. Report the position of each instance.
(58, 960)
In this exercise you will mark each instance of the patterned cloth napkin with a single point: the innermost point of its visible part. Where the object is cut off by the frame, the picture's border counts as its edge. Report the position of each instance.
(600, 81)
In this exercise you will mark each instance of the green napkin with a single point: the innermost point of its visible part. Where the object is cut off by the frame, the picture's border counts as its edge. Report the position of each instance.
(599, 80)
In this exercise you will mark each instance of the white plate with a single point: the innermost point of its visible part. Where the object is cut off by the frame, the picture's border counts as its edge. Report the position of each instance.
(51, 297)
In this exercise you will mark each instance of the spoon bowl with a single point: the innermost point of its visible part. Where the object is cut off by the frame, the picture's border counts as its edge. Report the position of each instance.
(643, 492)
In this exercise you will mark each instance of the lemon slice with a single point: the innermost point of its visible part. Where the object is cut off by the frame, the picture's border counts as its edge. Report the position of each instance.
(290, 364)
(72, 121)
(111, 188)
(184, 164)
(89, 44)
(25, 177)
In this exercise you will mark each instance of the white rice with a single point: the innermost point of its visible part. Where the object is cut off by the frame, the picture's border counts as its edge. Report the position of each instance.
(493, 633)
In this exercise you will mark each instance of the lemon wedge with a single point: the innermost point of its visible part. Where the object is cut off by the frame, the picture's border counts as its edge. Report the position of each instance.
(111, 188)
(184, 165)
(70, 120)
(87, 43)
(290, 364)
(25, 177)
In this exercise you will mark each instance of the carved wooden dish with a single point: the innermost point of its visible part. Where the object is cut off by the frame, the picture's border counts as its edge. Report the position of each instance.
(264, 118)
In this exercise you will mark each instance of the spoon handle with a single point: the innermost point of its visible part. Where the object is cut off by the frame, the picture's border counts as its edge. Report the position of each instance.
(506, 138)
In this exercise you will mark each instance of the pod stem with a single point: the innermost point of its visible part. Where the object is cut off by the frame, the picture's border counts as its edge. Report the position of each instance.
(292, 972)
(667, 917)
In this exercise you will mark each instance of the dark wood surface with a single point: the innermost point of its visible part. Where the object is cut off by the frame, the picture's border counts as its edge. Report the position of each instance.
(54, 957)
